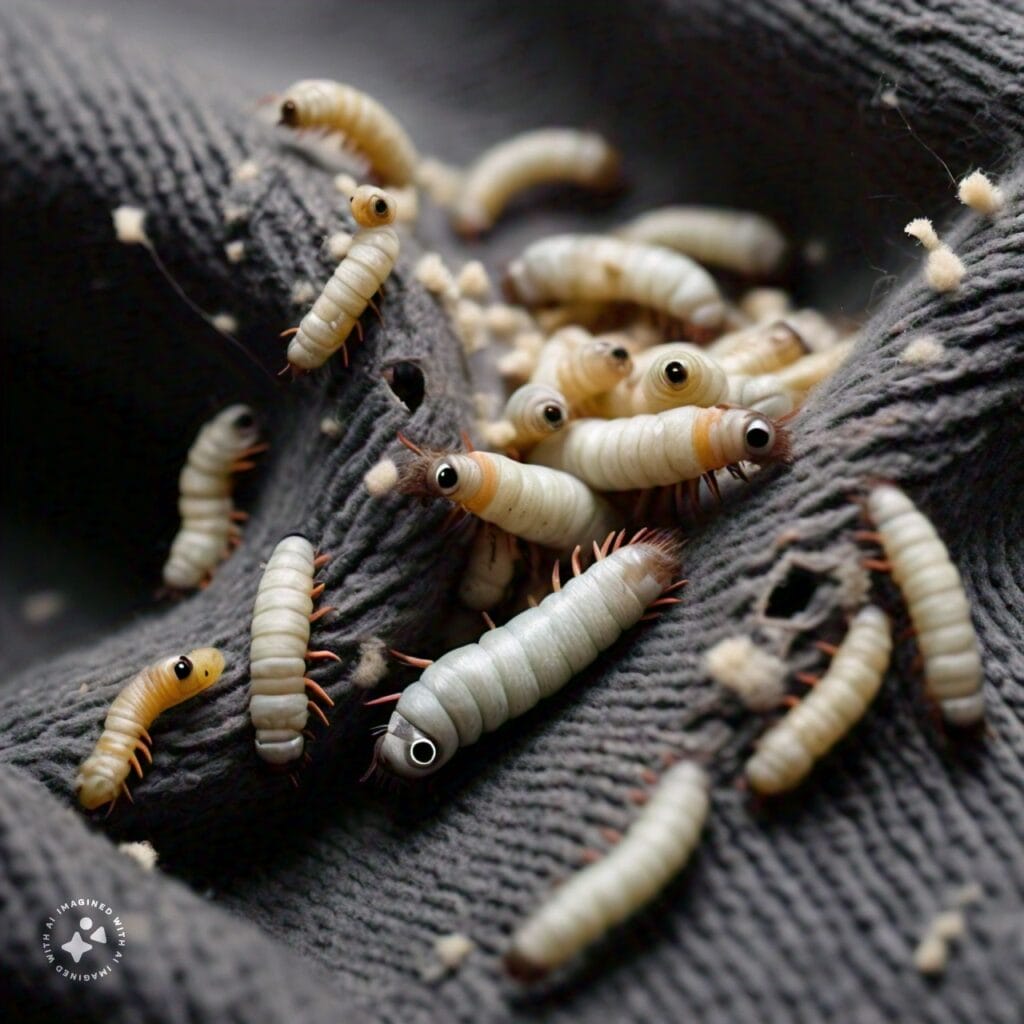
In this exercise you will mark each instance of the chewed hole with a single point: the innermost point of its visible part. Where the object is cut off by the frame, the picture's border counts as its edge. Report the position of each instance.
(793, 595)
(406, 380)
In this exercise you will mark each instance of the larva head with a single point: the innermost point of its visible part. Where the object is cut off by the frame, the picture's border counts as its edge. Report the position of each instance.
(604, 362)
(238, 426)
(753, 437)
(680, 374)
(536, 410)
(195, 671)
(409, 752)
(455, 476)
(95, 790)
(372, 207)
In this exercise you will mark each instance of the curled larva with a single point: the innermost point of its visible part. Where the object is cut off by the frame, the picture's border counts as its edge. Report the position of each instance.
(490, 569)
(788, 751)
(935, 597)
(666, 448)
(798, 378)
(580, 365)
(534, 411)
(370, 259)
(281, 617)
(547, 155)
(204, 502)
(477, 688)
(734, 239)
(101, 779)
(763, 348)
(570, 268)
(367, 127)
(543, 506)
(655, 848)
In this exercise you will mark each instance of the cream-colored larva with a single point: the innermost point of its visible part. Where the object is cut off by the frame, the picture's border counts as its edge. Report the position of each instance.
(765, 393)
(935, 597)
(667, 448)
(765, 305)
(370, 259)
(580, 365)
(763, 348)
(655, 848)
(102, 777)
(204, 503)
(733, 239)
(540, 505)
(788, 751)
(490, 569)
(798, 378)
(755, 675)
(570, 268)
(544, 156)
(534, 411)
(367, 127)
(278, 702)
(477, 688)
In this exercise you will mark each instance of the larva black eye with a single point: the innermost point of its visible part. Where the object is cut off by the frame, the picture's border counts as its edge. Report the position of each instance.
(422, 753)
(759, 436)
(289, 113)
(244, 420)
(552, 414)
(620, 354)
(183, 668)
(380, 206)
(675, 372)
(446, 477)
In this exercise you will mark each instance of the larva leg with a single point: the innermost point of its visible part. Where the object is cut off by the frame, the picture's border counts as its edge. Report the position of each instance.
(807, 678)
(134, 761)
(577, 568)
(320, 613)
(316, 709)
(317, 590)
(321, 656)
(408, 659)
(321, 560)
(638, 796)
(237, 515)
(877, 564)
(488, 621)
(375, 308)
(145, 750)
(313, 685)
(826, 648)
(556, 577)
(611, 835)
(649, 776)
(869, 536)
(288, 333)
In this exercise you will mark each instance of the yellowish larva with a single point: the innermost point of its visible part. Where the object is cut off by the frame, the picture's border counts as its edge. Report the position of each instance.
(580, 365)
(367, 127)
(544, 156)
(204, 502)
(935, 597)
(370, 259)
(762, 348)
(788, 751)
(102, 777)
(798, 378)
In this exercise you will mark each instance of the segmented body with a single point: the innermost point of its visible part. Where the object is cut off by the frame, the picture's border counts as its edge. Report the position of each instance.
(534, 411)
(655, 848)
(571, 268)
(937, 603)
(787, 752)
(544, 156)
(762, 348)
(477, 688)
(579, 365)
(367, 126)
(204, 501)
(102, 777)
(799, 377)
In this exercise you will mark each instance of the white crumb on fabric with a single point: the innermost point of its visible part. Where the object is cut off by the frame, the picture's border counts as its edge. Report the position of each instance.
(338, 245)
(756, 676)
(970, 892)
(981, 194)
(330, 426)
(921, 229)
(372, 666)
(234, 213)
(516, 366)
(889, 98)
(381, 477)
(530, 342)
(922, 350)
(84, 688)
(497, 433)
(950, 924)
(944, 270)
(130, 225)
(453, 949)
(224, 322)
(473, 280)
(235, 251)
(303, 292)
(931, 954)
(434, 275)
(504, 319)
(142, 852)
(247, 170)
(345, 184)
(43, 606)
(469, 325)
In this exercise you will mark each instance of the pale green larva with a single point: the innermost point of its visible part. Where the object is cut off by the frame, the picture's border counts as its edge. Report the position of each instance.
(573, 268)
(787, 752)
(207, 515)
(937, 603)
(655, 848)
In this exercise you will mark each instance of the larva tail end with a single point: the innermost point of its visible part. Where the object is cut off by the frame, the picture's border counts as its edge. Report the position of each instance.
(522, 968)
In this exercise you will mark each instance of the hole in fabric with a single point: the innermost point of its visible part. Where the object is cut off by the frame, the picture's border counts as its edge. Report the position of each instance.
(793, 595)
(406, 380)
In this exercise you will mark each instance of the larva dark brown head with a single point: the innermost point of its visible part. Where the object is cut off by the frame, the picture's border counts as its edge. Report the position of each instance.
(289, 114)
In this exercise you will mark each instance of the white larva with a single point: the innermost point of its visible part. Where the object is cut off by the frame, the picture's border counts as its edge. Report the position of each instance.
(534, 411)
(278, 702)
(540, 505)
(367, 127)
(733, 239)
(655, 848)
(935, 597)
(667, 448)
(764, 305)
(371, 257)
(204, 502)
(766, 393)
(477, 688)
(490, 569)
(755, 675)
(570, 268)
(580, 365)
(788, 751)
(798, 378)
(763, 348)
(544, 156)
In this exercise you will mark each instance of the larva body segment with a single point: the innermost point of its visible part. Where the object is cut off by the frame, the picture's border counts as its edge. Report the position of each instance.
(360, 275)
(733, 239)
(540, 505)
(534, 411)
(477, 688)
(278, 704)
(655, 848)
(367, 126)
(490, 569)
(204, 501)
(765, 393)
(580, 365)
(937, 603)
(798, 378)
(762, 348)
(787, 752)
(102, 777)
(544, 156)
(666, 448)
(572, 268)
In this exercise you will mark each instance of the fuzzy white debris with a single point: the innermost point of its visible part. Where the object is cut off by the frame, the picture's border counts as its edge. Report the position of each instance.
(141, 852)
(473, 281)
(922, 350)
(756, 676)
(248, 170)
(530, 342)
(516, 366)
(441, 181)
(950, 924)
(497, 434)
(346, 185)
(302, 292)
(235, 251)
(381, 477)
(979, 193)
(130, 225)
(486, 404)
(43, 606)
(931, 954)
(225, 322)
(372, 666)
(944, 270)
(966, 894)
(84, 688)
(504, 320)
(434, 275)
(452, 949)
(338, 245)
(469, 325)
(921, 229)
(330, 427)
(889, 98)
(234, 213)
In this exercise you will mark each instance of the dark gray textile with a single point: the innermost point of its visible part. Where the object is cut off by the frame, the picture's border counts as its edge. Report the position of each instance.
(323, 903)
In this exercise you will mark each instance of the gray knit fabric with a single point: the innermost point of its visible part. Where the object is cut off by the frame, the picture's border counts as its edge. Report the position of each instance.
(323, 903)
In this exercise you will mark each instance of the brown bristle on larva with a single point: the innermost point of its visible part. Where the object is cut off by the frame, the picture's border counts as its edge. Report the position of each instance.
(414, 473)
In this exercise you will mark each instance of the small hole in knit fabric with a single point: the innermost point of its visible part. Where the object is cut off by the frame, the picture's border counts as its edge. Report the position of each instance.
(407, 382)
(793, 594)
